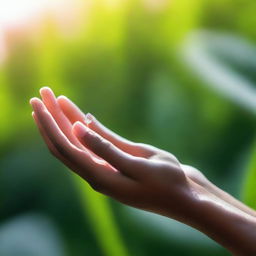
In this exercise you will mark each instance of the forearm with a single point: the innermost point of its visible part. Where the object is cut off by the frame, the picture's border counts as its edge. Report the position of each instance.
(226, 224)
(230, 199)
(196, 176)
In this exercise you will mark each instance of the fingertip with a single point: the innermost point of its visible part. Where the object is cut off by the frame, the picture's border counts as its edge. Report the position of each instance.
(46, 92)
(37, 104)
(79, 129)
(34, 101)
(45, 89)
(62, 97)
(62, 100)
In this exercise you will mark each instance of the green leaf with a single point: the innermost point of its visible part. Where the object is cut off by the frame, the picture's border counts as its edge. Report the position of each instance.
(99, 212)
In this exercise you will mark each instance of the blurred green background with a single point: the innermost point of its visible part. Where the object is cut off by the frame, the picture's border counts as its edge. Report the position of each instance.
(177, 74)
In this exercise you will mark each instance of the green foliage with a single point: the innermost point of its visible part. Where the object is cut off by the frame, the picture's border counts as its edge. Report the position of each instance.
(249, 193)
(121, 61)
(99, 212)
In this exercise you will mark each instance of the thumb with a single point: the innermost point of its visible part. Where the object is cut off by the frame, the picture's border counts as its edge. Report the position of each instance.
(120, 160)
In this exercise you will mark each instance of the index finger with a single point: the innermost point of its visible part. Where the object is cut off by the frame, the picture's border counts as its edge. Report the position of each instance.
(53, 107)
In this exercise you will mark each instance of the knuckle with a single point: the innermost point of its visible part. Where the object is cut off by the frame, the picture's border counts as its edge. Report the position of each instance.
(145, 149)
(167, 167)
(138, 163)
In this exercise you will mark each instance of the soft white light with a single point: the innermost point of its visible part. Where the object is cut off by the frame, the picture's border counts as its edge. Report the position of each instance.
(13, 12)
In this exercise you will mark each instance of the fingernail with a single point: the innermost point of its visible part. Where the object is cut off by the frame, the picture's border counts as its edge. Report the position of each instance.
(80, 130)
(89, 118)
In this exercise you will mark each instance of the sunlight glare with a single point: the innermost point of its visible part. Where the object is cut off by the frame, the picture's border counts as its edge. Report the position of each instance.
(13, 12)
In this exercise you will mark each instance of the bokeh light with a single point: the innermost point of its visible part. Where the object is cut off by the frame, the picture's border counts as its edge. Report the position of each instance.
(146, 70)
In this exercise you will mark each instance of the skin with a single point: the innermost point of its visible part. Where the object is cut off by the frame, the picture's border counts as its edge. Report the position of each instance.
(141, 175)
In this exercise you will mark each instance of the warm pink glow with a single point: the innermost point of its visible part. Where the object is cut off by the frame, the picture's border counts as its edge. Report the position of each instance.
(2, 48)
(15, 13)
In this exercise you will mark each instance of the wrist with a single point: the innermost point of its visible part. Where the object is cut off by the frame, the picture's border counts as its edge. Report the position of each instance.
(223, 222)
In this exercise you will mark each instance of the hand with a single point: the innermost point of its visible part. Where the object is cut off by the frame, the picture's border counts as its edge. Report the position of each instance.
(133, 173)
(141, 175)
(66, 114)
